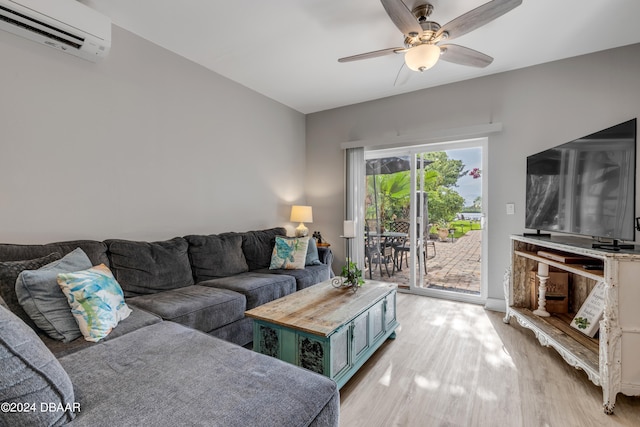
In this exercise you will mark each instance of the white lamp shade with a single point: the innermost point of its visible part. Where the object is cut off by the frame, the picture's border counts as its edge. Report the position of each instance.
(422, 57)
(301, 214)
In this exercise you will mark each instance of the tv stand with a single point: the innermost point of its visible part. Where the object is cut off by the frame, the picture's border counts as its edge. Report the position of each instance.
(613, 246)
(611, 360)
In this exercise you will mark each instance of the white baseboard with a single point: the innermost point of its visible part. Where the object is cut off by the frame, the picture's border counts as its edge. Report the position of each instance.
(495, 304)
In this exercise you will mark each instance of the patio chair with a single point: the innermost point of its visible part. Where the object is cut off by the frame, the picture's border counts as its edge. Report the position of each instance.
(402, 249)
(401, 246)
(377, 251)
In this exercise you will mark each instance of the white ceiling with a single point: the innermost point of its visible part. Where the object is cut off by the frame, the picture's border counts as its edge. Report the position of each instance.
(288, 49)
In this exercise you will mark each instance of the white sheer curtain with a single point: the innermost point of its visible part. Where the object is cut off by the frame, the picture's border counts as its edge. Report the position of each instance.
(355, 193)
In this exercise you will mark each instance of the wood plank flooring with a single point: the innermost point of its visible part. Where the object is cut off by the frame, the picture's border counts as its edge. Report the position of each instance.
(456, 364)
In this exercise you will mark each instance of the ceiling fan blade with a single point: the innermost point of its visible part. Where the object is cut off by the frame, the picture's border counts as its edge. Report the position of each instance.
(374, 54)
(403, 76)
(402, 17)
(477, 17)
(464, 56)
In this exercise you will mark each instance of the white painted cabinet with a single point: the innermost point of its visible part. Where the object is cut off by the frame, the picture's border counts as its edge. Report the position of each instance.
(612, 359)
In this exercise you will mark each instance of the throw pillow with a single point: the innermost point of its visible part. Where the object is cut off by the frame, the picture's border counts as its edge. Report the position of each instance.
(258, 246)
(31, 375)
(289, 253)
(41, 298)
(9, 271)
(96, 300)
(312, 254)
(216, 256)
(144, 268)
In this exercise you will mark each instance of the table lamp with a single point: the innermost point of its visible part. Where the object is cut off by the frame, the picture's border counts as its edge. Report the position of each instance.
(301, 214)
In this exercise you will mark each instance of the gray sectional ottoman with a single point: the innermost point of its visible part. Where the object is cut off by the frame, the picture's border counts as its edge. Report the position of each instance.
(163, 374)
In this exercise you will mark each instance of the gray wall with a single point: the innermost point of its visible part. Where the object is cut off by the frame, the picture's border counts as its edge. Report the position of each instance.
(539, 107)
(144, 145)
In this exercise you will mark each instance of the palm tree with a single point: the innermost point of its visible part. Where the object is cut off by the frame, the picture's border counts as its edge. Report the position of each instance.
(393, 195)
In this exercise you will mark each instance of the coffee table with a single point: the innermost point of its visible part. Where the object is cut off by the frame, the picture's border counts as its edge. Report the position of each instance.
(328, 330)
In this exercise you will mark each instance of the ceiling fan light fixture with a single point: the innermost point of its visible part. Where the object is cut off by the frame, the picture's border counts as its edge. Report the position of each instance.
(422, 57)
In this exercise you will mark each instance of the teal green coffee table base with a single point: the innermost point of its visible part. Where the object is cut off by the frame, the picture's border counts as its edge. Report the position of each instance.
(340, 353)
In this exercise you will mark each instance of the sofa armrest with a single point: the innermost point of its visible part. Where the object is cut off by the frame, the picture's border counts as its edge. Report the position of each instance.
(325, 255)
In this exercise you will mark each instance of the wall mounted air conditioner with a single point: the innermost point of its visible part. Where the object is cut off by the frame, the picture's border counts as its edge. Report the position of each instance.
(65, 25)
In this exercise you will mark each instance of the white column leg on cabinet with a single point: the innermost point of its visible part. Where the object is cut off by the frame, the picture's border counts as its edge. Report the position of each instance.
(542, 298)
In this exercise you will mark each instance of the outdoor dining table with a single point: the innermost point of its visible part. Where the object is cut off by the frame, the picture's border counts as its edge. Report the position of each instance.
(389, 239)
(393, 234)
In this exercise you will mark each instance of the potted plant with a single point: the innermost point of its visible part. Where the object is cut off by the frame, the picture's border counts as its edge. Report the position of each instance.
(443, 229)
(352, 276)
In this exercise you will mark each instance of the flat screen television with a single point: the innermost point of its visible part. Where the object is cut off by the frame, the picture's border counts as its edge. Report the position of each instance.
(586, 186)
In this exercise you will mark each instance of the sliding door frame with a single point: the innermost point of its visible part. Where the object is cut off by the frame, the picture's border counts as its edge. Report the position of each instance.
(416, 261)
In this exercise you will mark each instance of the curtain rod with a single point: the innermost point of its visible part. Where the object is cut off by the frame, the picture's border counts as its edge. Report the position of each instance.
(428, 136)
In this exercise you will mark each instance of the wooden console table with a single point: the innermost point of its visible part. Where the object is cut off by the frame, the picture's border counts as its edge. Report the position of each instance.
(325, 329)
(610, 361)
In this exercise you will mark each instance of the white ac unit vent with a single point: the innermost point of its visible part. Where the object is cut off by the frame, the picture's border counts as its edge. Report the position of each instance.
(65, 25)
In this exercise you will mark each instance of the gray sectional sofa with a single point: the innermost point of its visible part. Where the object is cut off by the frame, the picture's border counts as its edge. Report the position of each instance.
(178, 358)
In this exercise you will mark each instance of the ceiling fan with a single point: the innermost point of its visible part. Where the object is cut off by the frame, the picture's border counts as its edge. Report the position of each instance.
(422, 36)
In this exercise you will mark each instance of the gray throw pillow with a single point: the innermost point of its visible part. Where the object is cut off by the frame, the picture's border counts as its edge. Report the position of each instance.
(216, 256)
(258, 246)
(144, 268)
(41, 298)
(312, 253)
(31, 375)
(9, 272)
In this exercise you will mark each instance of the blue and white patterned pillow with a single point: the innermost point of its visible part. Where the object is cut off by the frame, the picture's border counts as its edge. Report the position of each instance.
(96, 300)
(289, 253)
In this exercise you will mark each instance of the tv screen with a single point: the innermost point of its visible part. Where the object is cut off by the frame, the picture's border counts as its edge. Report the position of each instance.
(586, 186)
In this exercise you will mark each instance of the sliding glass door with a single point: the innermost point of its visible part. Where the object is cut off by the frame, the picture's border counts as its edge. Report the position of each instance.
(424, 223)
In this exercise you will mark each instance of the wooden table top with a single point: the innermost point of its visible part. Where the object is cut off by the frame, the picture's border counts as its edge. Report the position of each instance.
(321, 309)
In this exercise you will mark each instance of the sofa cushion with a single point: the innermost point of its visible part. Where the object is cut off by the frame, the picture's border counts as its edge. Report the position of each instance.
(258, 246)
(40, 296)
(239, 332)
(167, 374)
(198, 307)
(216, 256)
(96, 251)
(311, 275)
(30, 374)
(289, 253)
(9, 271)
(96, 301)
(144, 268)
(257, 288)
(138, 318)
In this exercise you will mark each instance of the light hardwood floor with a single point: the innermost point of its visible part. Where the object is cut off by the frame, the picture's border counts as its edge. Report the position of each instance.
(456, 364)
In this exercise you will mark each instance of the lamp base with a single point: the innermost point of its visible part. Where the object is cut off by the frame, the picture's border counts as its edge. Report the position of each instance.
(302, 231)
